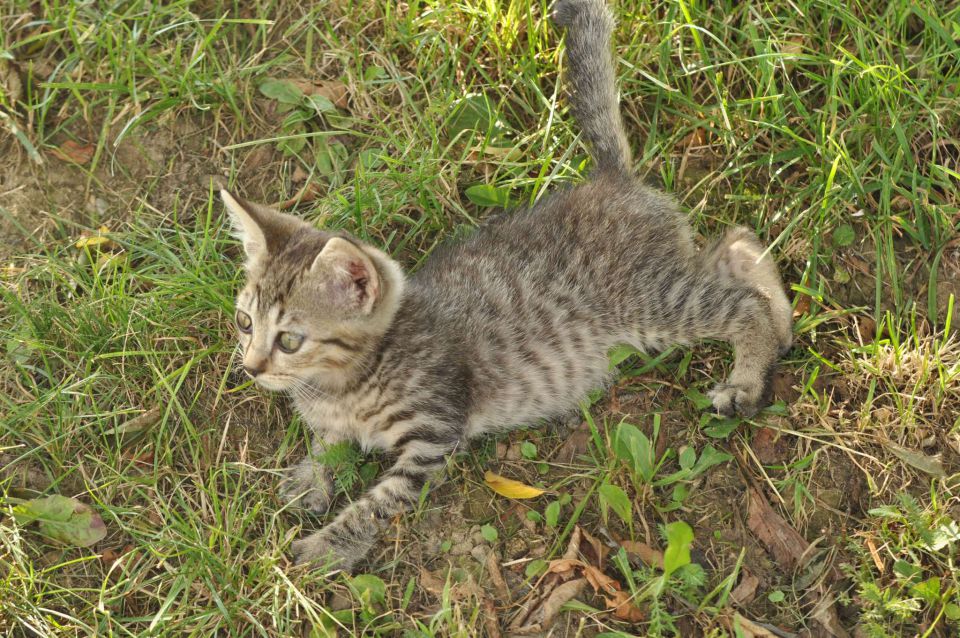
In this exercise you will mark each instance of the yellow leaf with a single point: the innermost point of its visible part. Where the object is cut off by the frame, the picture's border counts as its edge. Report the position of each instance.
(92, 241)
(510, 488)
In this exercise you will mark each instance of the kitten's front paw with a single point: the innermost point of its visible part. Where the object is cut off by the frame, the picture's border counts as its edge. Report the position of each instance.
(317, 551)
(735, 400)
(309, 485)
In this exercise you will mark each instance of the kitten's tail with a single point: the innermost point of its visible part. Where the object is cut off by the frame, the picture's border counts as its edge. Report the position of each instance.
(593, 88)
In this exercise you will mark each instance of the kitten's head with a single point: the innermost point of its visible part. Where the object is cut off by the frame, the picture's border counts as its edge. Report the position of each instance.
(315, 304)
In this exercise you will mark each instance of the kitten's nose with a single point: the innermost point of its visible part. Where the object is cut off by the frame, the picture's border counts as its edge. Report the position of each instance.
(253, 371)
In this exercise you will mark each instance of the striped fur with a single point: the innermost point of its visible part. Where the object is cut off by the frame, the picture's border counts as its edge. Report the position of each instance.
(507, 327)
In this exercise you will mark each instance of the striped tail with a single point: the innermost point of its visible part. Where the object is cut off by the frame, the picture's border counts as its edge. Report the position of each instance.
(589, 24)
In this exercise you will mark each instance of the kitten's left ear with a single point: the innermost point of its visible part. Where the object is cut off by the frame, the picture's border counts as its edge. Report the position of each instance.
(350, 273)
(261, 229)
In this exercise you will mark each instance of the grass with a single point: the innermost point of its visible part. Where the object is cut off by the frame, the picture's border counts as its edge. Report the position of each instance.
(828, 127)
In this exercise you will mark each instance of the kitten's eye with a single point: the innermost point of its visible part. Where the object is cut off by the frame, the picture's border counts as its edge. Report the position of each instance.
(244, 322)
(289, 342)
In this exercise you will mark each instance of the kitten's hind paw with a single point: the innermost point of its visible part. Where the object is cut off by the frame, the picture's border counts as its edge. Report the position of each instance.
(318, 552)
(309, 485)
(735, 400)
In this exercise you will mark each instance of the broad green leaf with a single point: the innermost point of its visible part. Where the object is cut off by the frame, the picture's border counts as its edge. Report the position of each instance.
(709, 457)
(843, 235)
(552, 514)
(618, 500)
(489, 533)
(474, 112)
(320, 104)
(488, 195)
(535, 568)
(282, 91)
(63, 519)
(720, 428)
(677, 554)
(619, 354)
(369, 588)
(688, 456)
(528, 450)
(699, 399)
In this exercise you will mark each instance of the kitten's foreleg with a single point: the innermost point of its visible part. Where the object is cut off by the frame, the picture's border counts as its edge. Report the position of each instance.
(351, 535)
(309, 483)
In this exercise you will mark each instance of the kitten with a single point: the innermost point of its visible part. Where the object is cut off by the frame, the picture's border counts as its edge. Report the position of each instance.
(509, 326)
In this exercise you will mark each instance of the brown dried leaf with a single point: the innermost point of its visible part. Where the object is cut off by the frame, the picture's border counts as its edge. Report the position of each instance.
(308, 193)
(496, 578)
(825, 613)
(782, 541)
(623, 608)
(430, 582)
(71, 151)
(875, 555)
(573, 547)
(746, 591)
(742, 626)
(564, 566)
(644, 552)
(593, 549)
(766, 444)
(600, 581)
(558, 598)
(803, 305)
(333, 90)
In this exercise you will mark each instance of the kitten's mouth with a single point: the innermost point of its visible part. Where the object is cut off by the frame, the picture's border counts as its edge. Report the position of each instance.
(272, 382)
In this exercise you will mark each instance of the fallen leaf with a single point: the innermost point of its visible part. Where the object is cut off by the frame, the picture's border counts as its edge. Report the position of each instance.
(746, 628)
(866, 329)
(784, 542)
(875, 555)
(509, 487)
(825, 613)
(623, 608)
(558, 598)
(75, 152)
(430, 582)
(597, 554)
(573, 546)
(803, 305)
(575, 444)
(63, 519)
(496, 578)
(564, 566)
(766, 444)
(490, 622)
(791, 550)
(310, 192)
(332, 90)
(695, 138)
(600, 581)
(932, 465)
(97, 240)
(746, 590)
(649, 555)
(137, 424)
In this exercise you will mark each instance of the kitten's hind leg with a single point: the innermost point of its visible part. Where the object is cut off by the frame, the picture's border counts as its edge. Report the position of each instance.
(739, 257)
(705, 305)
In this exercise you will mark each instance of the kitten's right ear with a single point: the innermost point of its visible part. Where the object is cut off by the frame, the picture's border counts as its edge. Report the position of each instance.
(250, 225)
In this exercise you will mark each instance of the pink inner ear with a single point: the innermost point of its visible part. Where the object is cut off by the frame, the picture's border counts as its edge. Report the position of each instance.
(366, 285)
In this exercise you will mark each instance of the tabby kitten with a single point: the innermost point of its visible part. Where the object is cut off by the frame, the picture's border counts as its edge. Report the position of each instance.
(510, 326)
